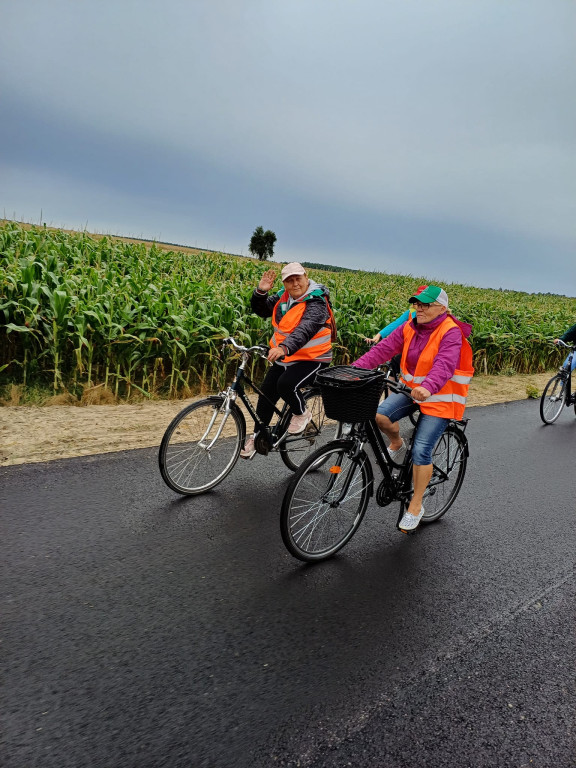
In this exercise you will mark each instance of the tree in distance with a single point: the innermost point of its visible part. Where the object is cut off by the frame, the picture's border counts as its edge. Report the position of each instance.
(262, 243)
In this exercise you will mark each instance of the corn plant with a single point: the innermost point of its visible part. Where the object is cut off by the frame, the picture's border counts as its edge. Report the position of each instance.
(76, 311)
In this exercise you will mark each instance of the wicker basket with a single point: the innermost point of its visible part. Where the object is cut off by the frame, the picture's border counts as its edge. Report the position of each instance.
(350, 394)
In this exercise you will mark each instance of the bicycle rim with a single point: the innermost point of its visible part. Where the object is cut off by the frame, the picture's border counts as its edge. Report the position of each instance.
(552, 400)
(201, 446)
(449, 461)
(295, 449)
(325, 502)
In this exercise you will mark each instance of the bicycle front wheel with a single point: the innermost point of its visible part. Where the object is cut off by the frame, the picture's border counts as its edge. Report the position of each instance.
(295, 449)
(326, 501)
(552, 400)
(201, 446)
(449, 460)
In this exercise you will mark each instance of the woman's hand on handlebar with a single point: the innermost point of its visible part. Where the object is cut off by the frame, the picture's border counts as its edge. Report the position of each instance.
(420, 394)
(275, 354)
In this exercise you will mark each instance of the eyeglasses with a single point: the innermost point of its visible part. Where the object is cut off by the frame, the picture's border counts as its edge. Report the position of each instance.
(420, 305)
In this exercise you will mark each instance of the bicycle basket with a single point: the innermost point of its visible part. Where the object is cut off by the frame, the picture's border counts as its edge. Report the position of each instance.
(350, 394)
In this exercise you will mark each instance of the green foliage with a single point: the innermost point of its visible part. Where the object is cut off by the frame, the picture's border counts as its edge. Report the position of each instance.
(532, 392)
(262, 243)
(77, 311)
(326, 267)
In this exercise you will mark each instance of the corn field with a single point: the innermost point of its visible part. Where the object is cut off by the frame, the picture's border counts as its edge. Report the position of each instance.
(76, 312)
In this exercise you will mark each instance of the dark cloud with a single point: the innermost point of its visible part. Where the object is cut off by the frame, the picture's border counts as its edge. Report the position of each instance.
(416, 137)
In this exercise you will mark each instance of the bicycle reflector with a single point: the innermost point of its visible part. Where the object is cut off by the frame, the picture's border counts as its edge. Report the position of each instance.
(335, 470)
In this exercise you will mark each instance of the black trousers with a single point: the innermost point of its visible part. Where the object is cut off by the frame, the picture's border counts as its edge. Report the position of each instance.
(283, 382)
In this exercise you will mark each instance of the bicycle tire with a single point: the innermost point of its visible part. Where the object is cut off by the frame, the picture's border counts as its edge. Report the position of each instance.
(314, 524)
(187, 464)
(449, 461)
(295, 449)
(552, 400)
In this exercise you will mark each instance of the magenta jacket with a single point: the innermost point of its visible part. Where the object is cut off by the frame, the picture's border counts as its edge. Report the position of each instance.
(446, 360)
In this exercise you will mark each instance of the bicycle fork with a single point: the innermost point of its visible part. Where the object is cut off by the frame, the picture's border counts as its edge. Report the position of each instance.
(225, 409)
(335, 471)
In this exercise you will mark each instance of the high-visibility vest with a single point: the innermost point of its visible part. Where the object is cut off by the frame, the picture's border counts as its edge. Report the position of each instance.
(450, 401)
(319, 347)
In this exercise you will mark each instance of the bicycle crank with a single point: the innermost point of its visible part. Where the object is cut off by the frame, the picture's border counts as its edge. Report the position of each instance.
(385, 494)
(262, 444)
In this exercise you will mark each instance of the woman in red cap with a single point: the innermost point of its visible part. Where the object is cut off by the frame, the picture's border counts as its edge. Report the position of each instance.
(300, 346)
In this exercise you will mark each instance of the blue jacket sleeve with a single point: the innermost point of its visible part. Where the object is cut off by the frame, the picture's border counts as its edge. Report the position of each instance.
(395, 324)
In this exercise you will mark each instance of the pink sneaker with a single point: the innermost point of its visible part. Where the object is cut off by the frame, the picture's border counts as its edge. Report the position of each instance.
(249, 448)
(299, 423)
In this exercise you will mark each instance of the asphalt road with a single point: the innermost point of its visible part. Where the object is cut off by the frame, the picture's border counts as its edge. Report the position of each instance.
(142, 630)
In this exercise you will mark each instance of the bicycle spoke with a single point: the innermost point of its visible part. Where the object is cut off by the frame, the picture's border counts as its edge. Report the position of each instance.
(322, 509)
(200, 446)
(449, 462)
(295, 449)
(552, 400)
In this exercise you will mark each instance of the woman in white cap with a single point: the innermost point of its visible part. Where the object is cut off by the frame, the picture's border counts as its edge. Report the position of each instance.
(300, 346)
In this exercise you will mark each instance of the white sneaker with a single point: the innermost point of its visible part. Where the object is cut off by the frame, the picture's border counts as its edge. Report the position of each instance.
(409, 521)
(299, 423)
(395, 454)
(249, 448)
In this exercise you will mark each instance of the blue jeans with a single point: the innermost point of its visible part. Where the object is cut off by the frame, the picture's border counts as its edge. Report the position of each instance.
(428, 430)
(565, 363)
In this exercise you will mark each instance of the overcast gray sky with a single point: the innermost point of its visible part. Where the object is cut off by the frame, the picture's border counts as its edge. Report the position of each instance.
(425, 137)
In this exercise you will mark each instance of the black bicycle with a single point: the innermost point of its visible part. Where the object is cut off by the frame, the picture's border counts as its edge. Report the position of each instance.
(326, 499)
(558, 392)
(203, 442)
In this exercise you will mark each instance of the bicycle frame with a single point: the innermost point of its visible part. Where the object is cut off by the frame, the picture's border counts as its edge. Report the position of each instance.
(396, 477)
(236, 389)
(399, 483)
(274, 434)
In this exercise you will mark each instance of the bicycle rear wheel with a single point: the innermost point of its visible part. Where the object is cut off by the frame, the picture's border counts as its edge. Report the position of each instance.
(449, 461)
(201, 446)
(552, 400)
(295, 449)
(326, 501)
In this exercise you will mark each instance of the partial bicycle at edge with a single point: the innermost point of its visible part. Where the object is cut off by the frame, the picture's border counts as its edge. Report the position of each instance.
(558, 391)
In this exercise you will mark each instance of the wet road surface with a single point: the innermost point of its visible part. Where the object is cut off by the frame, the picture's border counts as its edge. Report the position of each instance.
(141, 629)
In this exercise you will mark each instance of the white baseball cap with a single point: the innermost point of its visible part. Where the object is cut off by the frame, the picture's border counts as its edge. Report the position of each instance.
(292, 269)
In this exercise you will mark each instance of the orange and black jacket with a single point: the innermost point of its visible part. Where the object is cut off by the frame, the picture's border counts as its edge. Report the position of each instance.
(313, 320)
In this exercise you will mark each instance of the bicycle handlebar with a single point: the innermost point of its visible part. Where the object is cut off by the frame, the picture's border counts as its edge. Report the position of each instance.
(399, 387)
(258, 349)
(563, 344)
(396, 386)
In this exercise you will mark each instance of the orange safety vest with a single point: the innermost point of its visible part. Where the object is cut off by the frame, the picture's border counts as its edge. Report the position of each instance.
(319, 347)
(450, 401)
